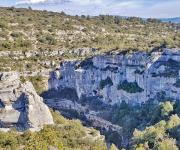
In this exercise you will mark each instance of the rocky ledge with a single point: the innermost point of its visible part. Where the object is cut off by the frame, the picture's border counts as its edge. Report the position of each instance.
(132, 77)
(20, 106)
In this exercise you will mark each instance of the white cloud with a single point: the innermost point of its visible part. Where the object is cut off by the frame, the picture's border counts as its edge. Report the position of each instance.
(30, 1)
(81, 2)
(87, 2)
(168, 9)
(127, 4)
(142, 8)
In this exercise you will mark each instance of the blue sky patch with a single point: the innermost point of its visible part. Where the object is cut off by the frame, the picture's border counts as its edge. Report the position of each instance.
(140, 8)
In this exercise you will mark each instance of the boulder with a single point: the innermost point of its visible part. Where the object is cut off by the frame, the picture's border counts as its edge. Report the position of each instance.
(20, 106)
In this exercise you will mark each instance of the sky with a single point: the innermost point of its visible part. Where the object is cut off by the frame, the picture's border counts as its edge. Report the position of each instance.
(138, 8)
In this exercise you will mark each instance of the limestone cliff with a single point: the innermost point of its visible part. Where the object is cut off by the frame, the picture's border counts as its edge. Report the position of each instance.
(133, 77)
(20, 105)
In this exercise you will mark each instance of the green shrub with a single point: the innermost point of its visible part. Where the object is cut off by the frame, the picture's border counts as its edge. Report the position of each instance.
(38, 83)
(48, 40)
(17, 44)
(3, 24)
(154, 137)
(105, 82)
(22, 79)
(86, 64)
(7, 44)
(130, 87)
(64, 135)
(16, 34)
(22, 43)
(166, 108)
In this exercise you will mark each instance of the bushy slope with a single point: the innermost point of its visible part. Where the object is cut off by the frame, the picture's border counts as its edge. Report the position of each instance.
(23, 30)
(27, 29)
(150, 126)
(64, 135)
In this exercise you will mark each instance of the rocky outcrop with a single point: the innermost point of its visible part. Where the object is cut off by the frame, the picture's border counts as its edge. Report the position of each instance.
(40, 62)
(20, 106)
(134, 77)
(45, 53)
(89, 117)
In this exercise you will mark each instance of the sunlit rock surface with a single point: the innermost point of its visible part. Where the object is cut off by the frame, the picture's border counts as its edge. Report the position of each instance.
(20, 106)
(134, 78)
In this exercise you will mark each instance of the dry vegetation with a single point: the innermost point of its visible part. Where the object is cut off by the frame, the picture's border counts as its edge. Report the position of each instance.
(23, 30)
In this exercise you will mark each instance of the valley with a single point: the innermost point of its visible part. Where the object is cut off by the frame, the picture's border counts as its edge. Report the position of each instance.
(88, 82)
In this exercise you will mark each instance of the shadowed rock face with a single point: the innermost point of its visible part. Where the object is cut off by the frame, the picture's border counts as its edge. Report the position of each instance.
(88, 89)
(134, 78)
(20, 105)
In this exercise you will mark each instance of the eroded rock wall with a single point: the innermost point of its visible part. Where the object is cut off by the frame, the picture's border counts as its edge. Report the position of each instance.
(134, 78)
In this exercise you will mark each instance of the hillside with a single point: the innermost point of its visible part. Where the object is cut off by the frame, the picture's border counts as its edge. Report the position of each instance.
(27, 123)
(172, 20)
(32, 40)
(64, 135)
(119, 75)
(132, 98)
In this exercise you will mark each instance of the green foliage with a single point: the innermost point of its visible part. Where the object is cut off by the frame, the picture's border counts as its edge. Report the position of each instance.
(8, 141)
(130, 87)
(154, 137)
(16, 34)
(105, 82)
(22, 79)
(166, 108)
(64, 135)
(173, 122)
(3, 24)
(113, 147)
(38, 83)
(153, 122)
(86, 64)
(18, 44)
(26, 30)
(7, 44)
(161, 134)
(43, 30)
(22, 43)
(48, 40)
(167, 144)
(151, 134)
(172, 69)
(118, 32)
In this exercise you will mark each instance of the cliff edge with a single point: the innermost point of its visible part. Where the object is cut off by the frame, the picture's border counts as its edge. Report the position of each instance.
(20, 106)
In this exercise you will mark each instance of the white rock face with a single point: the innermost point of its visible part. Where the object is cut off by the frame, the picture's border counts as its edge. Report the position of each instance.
(134, 78)
(20, 106)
